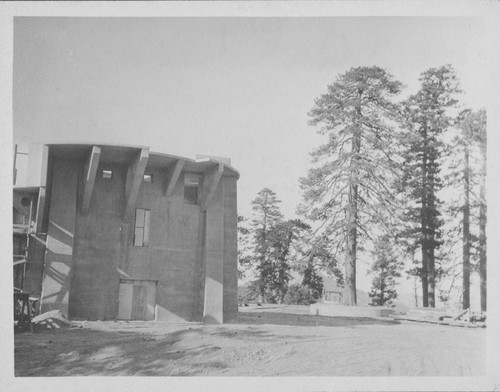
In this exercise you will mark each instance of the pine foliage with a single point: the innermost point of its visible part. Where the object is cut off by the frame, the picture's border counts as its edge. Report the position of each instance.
(347, 188)
(425, 118)
(386, 268)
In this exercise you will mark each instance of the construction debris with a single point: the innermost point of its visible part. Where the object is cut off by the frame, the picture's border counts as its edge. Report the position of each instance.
(466, 318)
(53, 319)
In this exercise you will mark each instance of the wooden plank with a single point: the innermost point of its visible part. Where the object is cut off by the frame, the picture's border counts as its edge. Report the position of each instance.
(151, 301)
(139, 298)
(125, 292)
(147, 218)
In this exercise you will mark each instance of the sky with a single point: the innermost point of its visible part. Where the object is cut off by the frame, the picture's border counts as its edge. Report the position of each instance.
(231, 87)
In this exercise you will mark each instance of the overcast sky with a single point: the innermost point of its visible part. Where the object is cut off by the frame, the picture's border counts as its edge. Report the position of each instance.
(232, 87)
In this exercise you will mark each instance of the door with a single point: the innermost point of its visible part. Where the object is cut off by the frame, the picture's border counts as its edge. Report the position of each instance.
(136, 299)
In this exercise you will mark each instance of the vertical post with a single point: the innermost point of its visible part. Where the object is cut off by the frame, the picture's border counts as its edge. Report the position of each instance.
(14, 163)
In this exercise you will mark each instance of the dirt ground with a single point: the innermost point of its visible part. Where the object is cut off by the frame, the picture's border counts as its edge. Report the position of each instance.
(272, 340)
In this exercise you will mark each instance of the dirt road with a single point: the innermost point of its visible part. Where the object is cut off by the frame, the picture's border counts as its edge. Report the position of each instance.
(266, 341)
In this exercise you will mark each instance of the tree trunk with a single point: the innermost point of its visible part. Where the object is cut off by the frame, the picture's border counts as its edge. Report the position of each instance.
(262, 296)
(352, 230)
(425, 233)
(263, 257)
(431, 226)
(416, 296)
(350, 268)
(466, 234)
(425, 264)
(482, 227)
(382, 291)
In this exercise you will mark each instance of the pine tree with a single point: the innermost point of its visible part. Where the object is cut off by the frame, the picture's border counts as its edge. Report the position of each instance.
(385, 269)
(317, 259)
(470, 125)
(266, 215)
(244, 256)
(313, 281)
(282, 237)
(480, 122)
(348, 187)
(425, 120)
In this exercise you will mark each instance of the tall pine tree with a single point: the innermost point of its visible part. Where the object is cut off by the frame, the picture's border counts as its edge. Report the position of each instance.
(467, 175)
(480, 120)
(425, 120)
(266, 215)
(347, 188)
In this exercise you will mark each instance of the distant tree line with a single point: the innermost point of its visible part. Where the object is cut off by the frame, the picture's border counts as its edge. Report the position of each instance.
(377, 184)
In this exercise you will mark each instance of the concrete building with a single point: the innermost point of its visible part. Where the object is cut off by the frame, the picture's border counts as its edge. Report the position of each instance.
(117, 232)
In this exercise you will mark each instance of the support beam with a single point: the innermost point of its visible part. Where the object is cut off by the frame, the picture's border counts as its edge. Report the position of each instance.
(40, 208)
(210, 182)
(89, 180)
(134, 179)
(172, 176)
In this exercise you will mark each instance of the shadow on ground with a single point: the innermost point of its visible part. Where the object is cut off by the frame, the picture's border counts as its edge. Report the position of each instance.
(278, 318)
(80, 352)
(197, 351)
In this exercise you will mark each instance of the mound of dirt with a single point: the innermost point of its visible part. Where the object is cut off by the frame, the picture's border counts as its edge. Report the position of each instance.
(51, 320)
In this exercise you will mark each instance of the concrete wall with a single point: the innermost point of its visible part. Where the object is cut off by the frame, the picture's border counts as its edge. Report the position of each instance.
(214, 258)
(171, 257)
(230, 249)
(60, 236)
(95, 279)
(34, 268)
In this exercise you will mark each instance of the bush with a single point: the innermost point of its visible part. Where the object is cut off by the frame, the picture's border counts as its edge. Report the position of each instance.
(299, 295)
(251, 293)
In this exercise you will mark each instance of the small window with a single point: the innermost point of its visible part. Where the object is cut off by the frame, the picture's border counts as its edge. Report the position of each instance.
(107, 174)
(141, 230)
(191, 194)
(147, 178)
(191, 183)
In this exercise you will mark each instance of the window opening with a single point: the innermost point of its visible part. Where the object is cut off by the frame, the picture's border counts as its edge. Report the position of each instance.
(107, 174)
(191, 184)
(141, 229)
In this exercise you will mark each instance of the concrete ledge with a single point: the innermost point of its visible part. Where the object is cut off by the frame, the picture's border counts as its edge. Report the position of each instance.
(426, 313)
(335, 310)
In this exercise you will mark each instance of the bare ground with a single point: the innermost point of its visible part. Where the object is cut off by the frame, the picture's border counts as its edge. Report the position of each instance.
(265, 341)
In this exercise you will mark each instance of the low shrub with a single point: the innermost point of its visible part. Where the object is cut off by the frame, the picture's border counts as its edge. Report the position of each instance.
(299, 295)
